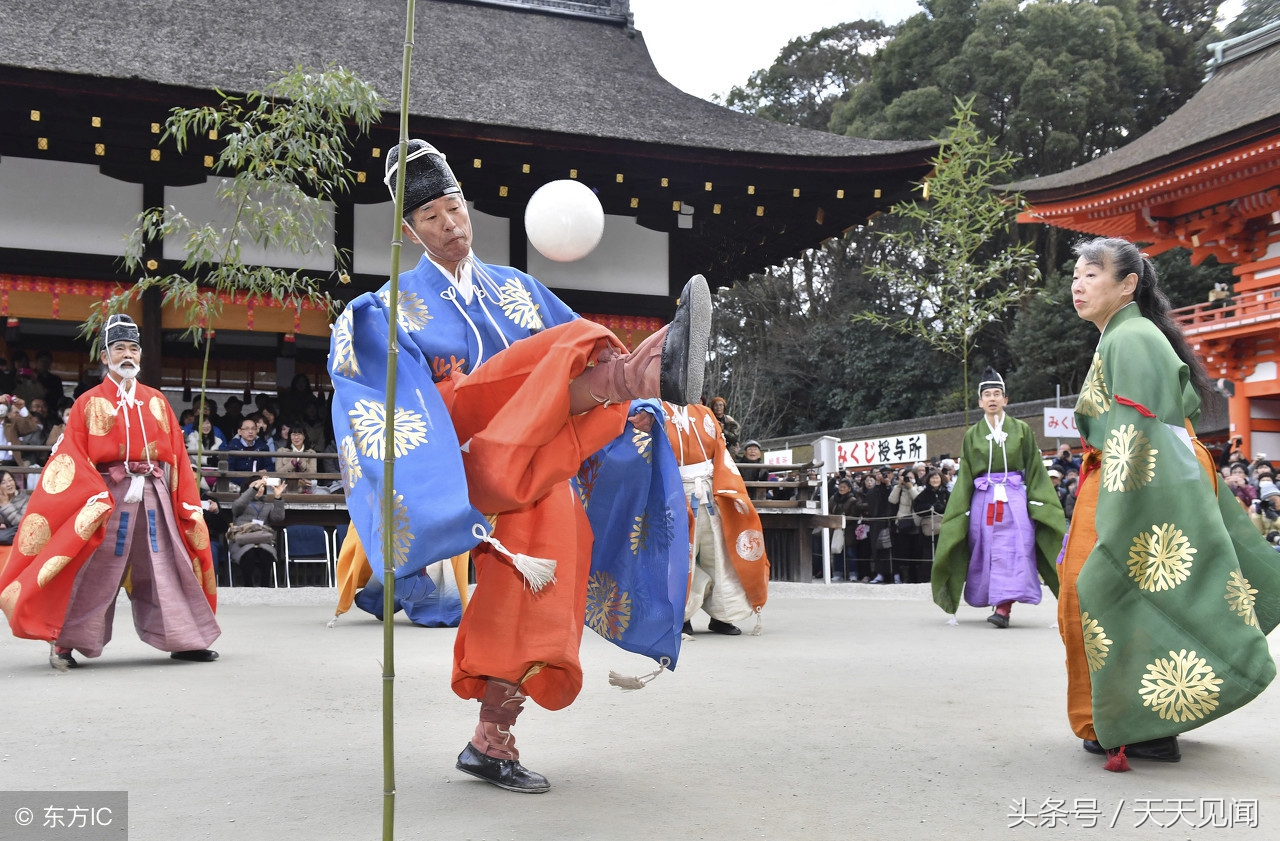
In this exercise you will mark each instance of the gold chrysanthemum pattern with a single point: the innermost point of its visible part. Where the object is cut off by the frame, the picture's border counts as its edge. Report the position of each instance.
(1242, 597)
(344, 353)
(608, 606)
(1094, 400)
(588, 472)
(1128, 459)
(401, 538)
(350, 461)
(369, 424)
(639, 534)
(1096, 643)
(643, 442)
(1160, 559)
(517, 304)
(1182, 688)
(411, 311)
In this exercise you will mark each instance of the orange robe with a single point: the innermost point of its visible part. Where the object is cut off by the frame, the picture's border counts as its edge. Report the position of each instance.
(520, 448)
(697, 437)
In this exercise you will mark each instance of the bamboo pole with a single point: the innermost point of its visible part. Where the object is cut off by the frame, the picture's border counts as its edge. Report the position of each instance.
(388, 458)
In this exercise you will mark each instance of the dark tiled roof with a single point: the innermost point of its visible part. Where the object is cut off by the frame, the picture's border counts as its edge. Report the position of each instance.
(1240, 100)
(487, 64)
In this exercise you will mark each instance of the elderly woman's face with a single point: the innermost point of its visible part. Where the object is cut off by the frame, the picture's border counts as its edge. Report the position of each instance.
(7, 485)
(1097, 293)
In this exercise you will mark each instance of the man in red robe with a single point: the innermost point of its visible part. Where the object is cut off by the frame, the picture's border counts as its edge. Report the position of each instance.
(117, 505)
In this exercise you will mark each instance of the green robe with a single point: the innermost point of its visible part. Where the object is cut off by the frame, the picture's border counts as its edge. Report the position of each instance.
(1179, 590)
(951, 559)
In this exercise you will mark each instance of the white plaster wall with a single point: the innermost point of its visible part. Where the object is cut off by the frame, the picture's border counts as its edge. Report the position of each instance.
(199, 203)
(630, 259)
(1262, 371)
(56, 206)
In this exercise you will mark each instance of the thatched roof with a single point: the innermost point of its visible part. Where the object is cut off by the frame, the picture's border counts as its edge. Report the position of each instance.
(574, 68)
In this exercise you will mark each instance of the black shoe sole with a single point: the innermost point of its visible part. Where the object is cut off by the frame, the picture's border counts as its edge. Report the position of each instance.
(692, 327)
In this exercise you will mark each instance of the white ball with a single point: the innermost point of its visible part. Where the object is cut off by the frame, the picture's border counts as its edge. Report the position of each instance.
(564, 220)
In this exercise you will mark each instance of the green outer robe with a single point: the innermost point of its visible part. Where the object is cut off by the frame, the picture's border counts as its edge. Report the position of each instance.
(951, 559)
(1179, 590)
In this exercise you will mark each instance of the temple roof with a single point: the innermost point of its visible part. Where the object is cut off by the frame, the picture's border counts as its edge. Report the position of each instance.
(575, 68)
(1239, 101)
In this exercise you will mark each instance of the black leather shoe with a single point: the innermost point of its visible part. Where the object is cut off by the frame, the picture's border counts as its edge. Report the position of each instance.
(999, 620)
(201, 655)
(684, 350)
(1154, 750)
(688, 628)
(726, 628)
(504, 773)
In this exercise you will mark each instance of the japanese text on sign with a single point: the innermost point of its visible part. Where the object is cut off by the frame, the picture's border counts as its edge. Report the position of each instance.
(1060, 423)
(873, 451)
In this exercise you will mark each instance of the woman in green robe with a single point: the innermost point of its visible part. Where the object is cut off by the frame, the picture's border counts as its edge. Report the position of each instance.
(1167, 592)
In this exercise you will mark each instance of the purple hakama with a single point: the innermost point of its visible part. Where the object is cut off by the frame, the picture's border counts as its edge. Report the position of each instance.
(1002, 564)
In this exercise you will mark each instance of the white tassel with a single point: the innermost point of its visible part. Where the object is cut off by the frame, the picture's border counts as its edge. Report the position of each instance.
(537, 572)
(759, 628)
(135, 489)
(953, 620)
(630, 683)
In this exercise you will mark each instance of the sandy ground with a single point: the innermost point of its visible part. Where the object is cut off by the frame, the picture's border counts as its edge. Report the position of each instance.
(858, 713)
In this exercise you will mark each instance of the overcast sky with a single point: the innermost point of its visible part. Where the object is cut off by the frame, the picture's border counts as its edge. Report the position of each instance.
(705, 47)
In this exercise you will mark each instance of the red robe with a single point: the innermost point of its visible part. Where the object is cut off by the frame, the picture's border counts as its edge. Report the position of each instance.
(65, 519)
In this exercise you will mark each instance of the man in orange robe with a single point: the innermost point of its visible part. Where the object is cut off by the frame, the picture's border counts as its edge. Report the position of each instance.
(117, 505)
(729, 573)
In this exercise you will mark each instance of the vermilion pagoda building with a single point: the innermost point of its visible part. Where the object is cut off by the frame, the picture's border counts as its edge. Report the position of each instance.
(1206, 179)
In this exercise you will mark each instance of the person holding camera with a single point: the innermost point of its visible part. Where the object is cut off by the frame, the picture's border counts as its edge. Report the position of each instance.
(905, 540)
(16, 422)
(1004, 524)
(252, 535)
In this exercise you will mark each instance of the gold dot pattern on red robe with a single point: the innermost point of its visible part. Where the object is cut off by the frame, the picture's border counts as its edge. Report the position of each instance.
(33, 534)
(90, 518)
(51, 568)
(198, 535)
(58, 474)
(99, 416)
(9, 597)
(160, 411)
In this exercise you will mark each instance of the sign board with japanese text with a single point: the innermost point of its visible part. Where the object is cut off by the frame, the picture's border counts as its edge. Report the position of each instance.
(1060, 423)
(890, 450)
(778, 457)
